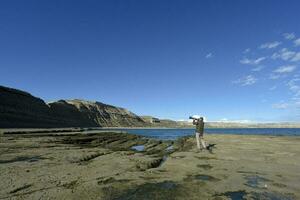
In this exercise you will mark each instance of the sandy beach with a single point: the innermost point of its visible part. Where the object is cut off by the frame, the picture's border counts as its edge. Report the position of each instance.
(105, 166)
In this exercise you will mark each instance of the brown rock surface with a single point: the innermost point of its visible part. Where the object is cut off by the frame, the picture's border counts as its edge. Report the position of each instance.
(103, 165)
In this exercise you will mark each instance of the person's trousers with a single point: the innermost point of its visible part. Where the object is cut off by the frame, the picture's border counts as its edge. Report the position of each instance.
(200, 141)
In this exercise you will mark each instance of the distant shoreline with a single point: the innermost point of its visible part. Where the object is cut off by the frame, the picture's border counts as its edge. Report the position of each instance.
(194, 128)
(73, 129)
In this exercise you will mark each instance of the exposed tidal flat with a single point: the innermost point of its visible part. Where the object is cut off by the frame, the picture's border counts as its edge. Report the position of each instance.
(71, 164)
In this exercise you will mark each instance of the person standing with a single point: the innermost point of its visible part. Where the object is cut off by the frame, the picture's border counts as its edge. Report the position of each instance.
(198, 121)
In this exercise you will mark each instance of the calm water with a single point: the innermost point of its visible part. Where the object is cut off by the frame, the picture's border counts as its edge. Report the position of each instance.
(168, 134)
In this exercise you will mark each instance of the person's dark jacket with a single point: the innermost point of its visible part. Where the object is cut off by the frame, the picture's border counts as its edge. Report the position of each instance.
(200, 127)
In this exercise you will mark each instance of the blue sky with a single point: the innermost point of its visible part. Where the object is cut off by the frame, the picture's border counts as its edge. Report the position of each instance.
(226, 60)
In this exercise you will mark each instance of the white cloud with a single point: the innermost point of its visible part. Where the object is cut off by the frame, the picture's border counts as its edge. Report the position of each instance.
(280, 105)
(285, 69)
(292, 104)
(281, 72)
(247, 80)
(247, 50)
(274, 76)
(273, 88)
(296, 99)
(289, 36)
(297, 42)
(209, 55)
(286, 55)
(247, 61)
(296, 57)
(270, 45)
(294, 86)
(283, 54)
(258, 68)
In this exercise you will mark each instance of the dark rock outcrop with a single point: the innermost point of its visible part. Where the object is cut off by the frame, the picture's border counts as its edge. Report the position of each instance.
(20, 109)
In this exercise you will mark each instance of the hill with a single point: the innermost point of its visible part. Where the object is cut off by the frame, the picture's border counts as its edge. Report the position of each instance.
(19, 109)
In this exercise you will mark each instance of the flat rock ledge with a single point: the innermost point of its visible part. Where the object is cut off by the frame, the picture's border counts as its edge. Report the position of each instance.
(78, 164)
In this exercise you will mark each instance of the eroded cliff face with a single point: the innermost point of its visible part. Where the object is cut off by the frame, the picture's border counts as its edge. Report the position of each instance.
(96, 113)
(20, 109)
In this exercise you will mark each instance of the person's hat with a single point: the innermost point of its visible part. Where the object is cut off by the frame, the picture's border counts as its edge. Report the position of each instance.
(195, 117)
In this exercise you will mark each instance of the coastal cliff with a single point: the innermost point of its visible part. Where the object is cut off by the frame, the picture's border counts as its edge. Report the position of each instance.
(19, 109)
(96, 113)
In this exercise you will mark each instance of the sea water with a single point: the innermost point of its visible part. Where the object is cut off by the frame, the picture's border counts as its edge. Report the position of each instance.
(171, 134)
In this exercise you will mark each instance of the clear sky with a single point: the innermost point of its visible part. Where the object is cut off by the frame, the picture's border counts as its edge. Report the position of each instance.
(226, 60)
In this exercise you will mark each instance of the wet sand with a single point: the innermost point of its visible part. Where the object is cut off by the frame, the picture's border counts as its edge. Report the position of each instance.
(104, 165)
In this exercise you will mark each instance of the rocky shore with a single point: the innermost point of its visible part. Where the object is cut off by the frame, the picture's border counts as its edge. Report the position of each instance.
(115, 165)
